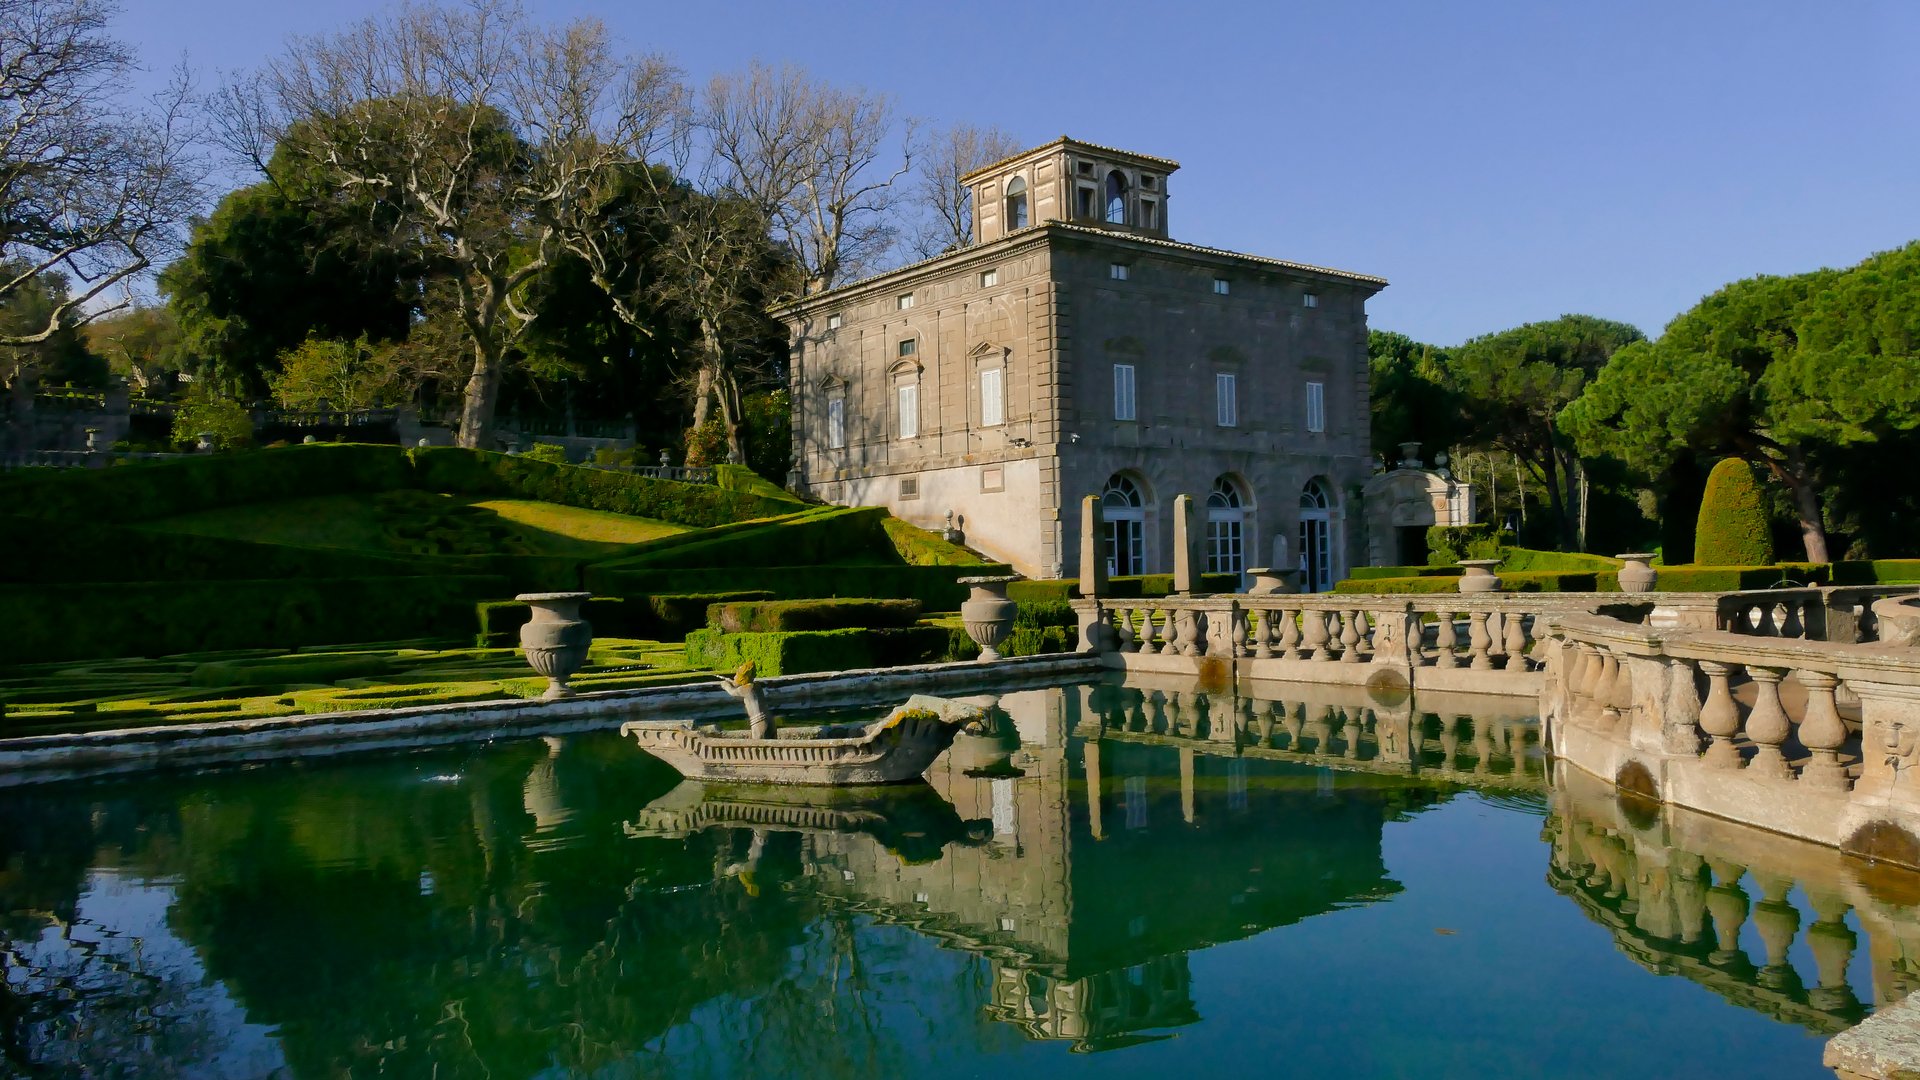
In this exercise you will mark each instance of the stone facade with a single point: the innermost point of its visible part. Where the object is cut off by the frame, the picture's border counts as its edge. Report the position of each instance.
(1004, 381)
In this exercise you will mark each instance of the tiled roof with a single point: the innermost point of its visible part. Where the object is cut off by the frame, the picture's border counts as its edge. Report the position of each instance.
(1167, 164)
(1032, 231)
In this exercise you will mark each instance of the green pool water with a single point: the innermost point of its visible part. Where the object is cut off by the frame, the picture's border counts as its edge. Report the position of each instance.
(1153, 883)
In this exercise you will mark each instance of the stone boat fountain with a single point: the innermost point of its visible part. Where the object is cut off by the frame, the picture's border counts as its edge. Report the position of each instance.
(894, 749)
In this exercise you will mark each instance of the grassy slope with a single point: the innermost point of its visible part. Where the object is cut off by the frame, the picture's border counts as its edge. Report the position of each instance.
(354, 522)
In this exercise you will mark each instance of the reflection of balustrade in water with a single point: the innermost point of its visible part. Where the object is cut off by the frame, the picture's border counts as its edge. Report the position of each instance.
(1679, 890)
(1335, 727)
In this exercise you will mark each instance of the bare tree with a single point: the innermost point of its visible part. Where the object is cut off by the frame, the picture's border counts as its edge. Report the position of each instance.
(479, 140)
(820, 163)
(944, 205)
(92, 188)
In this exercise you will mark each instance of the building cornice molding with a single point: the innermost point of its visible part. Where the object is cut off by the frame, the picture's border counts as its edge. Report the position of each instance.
(1040, 235)
(1068, 142)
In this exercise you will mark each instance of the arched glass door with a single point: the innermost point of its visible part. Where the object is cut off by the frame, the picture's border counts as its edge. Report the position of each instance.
(1125, 509)
(1226, 528)
(1316, 539)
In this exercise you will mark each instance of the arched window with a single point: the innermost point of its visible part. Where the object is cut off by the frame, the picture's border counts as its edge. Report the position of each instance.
(1116, 198)
(1016, 204)
(1124, 506)
(1316, 538)
(1226, 528)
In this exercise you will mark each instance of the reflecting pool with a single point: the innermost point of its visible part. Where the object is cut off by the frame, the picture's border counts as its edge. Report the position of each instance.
(1127, 880)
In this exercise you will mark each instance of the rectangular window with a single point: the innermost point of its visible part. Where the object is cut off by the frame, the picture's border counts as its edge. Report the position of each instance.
(1086, 168)
(993, 478)
(1146, 182)
(1149, 214)
(1226, 405)
(906, 398)
(993, 400)
(1123, 391)
(909, 347)
(909, 487)
(1117, 271)
(1221, 286)
(836, 423)
(904, 302)
(1083, 202)
(1316, 406)
(989, 278)
(1310, 300)
(833, 322)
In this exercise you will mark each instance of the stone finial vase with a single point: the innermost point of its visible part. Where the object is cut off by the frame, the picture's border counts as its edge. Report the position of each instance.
(987, 613)
(556, 638)
(1479, 576)
(1638, 575)
(1271, 580)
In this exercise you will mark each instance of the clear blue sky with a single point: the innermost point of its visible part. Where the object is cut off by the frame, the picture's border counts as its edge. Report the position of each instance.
(1498, 162)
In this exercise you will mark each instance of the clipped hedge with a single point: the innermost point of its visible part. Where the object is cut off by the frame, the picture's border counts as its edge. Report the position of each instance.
(1533, 559)
(773, 615)
(148, 490)
(921, 547)
(1363, 573)
(934, 586)
(739, 478)
(809, 538)
(1670, 579)
(1733, 529)
(1877, 572)
(1130, 587)
(99, 620)
(610, 616)
(672, 616)
(317, 668)
(794, 652)
(36, 551)
(1694, 578)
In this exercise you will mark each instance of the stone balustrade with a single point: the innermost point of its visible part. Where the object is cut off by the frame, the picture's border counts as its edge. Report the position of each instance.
(1815, 739)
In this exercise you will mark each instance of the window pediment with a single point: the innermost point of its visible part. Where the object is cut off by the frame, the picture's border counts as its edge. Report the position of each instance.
(988, 351)
(833, 382)
(906, 365)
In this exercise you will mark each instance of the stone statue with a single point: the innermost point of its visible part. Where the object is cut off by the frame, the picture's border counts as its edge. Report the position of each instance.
(742, 686)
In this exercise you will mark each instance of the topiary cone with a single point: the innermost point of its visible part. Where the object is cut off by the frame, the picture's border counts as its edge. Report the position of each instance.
(1733, 527)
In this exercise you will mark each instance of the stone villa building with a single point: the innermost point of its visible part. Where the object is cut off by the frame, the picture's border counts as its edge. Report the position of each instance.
(1075, 348)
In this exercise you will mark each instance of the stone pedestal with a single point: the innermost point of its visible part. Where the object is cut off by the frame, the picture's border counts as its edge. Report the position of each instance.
(556, 638)
(1272, 580)
(1093, 557)
(1638, 575)
(1478, 577)
(987, 613)
(1186, 547)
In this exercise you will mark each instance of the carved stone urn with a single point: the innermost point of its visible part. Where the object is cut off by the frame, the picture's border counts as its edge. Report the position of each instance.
(1478, 577)
(556, 638)
(1271, 580)
(1638, 575)
(987, 613)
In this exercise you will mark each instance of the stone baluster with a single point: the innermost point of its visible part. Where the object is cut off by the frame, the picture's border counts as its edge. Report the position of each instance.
(1821, 732)
(1478, 642)
(1832, 943)
(1264, 732)
(1449, 740)
(1727, 906)
(1158, 720)
(1376, 636)
(1289, 634)
(1719, 717)
(1355, 728)
(1767, 724)
(1689, 889)
(1607, 691)
(1349, 636)
(1293, 720)
(1317, 636)
(1777, 921)
(1123, 635)
(1791, 624)
(1516, 641)
(1573, 672)
(1445, 642)
(1496, 637)
(1320, 728)
(1262, 649)
(1482, 746)
(1169, 632)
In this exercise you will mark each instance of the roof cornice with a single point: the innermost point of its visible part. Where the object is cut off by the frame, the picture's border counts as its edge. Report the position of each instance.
(1039, 234)
(1164, 164)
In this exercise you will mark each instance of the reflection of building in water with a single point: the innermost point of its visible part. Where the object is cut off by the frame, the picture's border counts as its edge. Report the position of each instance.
(1086, 897)
(1678, 890)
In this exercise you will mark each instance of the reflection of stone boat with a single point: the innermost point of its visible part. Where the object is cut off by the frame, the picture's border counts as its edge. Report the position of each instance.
(888, 751)
(910, 820)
